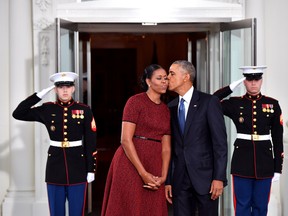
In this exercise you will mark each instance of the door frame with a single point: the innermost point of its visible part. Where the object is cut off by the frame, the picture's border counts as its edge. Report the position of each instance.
(214, 31)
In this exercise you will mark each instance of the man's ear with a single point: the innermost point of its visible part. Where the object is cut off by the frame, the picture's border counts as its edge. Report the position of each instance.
(186, 77)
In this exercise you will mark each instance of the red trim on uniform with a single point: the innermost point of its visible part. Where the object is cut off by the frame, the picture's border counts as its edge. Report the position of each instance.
(66, 167)
(254, 146)
(269, 194)
(234, 196)
(84, 202)
(269, 97)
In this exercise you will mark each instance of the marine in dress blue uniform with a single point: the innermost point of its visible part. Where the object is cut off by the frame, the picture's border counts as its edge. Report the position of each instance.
(71, 155)
(258, 149)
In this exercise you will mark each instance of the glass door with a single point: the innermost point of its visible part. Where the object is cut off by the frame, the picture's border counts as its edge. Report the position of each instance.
(73, 54)
(238, 48)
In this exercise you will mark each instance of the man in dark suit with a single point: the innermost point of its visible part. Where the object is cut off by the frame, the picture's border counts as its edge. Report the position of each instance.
(197, 172)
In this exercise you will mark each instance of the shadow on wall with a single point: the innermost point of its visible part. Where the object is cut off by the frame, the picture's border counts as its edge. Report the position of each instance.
(4, 170)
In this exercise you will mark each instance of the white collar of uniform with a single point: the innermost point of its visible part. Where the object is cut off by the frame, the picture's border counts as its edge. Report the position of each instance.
(187, 96)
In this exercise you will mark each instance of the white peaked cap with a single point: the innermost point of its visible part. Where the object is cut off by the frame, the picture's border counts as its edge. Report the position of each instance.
(63, 77)
(253, 70)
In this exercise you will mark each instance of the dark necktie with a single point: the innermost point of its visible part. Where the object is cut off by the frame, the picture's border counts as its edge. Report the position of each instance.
(181, 115)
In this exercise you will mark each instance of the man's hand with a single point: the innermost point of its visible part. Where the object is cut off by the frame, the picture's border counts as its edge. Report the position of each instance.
(216, 189)
(90, 177)
(276, 177)
(168, 193)
(235, 84)
(45, 91)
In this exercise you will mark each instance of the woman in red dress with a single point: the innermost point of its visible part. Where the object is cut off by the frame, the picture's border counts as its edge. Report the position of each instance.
(135, 181)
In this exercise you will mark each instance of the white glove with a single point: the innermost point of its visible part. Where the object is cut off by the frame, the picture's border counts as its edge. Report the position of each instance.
(90, 177)
(45, 91)
(234, 84)
(276, 177)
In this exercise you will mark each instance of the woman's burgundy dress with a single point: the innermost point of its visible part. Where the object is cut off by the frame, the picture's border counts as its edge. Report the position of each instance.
(124, 193)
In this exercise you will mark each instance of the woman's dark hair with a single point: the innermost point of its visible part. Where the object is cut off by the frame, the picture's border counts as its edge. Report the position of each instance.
(148, 72)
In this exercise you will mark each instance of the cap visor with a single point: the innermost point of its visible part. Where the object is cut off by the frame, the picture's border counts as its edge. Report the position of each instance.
(66, 83)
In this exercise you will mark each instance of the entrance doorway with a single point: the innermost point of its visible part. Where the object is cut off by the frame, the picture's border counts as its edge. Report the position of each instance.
(216, 49)
(117, 62)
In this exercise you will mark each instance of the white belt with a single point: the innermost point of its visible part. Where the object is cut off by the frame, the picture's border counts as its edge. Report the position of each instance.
(65, 144)
(254, 137)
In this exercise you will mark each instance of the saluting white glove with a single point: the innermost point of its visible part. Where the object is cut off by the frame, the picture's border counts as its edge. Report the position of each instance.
(90, 177)
(276, 177)
(235, 84)
(45, 91)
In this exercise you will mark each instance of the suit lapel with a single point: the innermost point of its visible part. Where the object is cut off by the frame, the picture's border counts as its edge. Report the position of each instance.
(193, 106)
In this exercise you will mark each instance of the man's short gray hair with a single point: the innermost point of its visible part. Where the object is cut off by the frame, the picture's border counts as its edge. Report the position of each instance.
(187, 67)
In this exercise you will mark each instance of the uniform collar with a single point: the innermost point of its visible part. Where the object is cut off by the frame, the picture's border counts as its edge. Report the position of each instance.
(254, 97)
(65, 104)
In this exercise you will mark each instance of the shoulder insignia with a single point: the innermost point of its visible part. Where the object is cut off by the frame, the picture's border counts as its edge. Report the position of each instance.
(281, 119)
(93, 125)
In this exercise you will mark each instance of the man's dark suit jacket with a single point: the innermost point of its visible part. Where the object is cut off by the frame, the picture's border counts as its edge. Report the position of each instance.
(203, 146)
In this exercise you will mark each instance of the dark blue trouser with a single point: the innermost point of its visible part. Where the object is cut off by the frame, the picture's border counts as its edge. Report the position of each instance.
(75, 195)
(188, 202)
(251, 196)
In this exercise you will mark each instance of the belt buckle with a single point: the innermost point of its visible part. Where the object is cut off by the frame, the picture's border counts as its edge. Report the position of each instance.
(65, 144)
(255, 137)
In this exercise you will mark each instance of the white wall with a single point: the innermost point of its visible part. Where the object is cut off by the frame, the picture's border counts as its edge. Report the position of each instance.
(276, 32)
(4, 95)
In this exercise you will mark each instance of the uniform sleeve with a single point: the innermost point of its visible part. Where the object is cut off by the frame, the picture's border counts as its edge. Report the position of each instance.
(131, 110)
(25, 110)
(277, 138)
(227, 107)
(223, 92)
(90, 141)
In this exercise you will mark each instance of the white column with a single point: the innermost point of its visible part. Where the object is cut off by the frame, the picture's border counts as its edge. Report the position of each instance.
(4, 108)
(255, 9)
(20, 196)
(44, 35)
